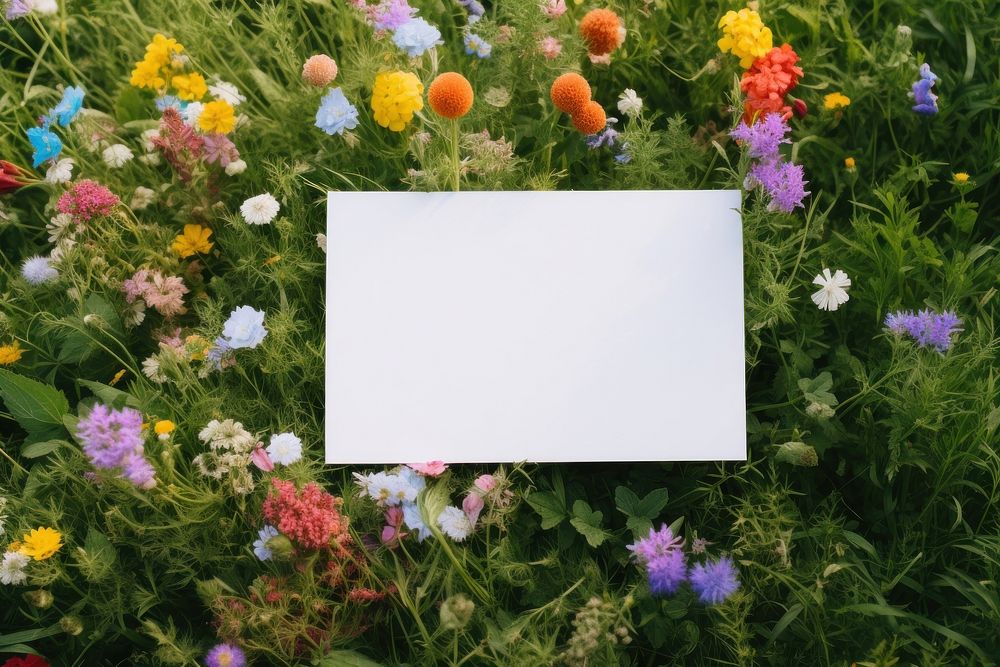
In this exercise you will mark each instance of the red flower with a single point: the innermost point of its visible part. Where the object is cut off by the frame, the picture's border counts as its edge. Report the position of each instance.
(28, 660)
(309, 517)
(9, 182)
(767, 82)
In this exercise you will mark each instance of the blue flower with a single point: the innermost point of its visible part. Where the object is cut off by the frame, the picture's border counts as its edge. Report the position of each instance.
(474, 44)
(69, 105)
(714, 582)
(415, 522)
(47, 145)
(336, 114)
(165, 102)
(416, 36)
(926, 101)
(475, 9)
(244, 328)
(260, 545)
(666, 572)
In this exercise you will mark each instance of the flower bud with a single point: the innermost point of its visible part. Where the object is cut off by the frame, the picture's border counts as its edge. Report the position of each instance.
(71, 625)
(40, 598)
(800, 108)
(456, 612)
(281, 547)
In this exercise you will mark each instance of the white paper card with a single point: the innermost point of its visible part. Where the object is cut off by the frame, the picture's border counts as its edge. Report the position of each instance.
(541, 326)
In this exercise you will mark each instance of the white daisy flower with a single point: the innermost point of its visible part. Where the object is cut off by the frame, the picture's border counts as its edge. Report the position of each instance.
(192, 113)
(454, 523)
(142, 198)
(260, 210)
(61, 171)
(226, 91)
(147, 139)
(236, 167)
(321, 241)
(38, 270)
(285, 448)
(151, 369)
(629, 103)
(116, 155)
(833, 289)
(12, 568)
(60, 227)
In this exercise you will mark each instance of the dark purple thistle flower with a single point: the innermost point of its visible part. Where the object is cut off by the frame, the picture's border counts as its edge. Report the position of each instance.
(764, 138)
(666, 572)
(715, 581)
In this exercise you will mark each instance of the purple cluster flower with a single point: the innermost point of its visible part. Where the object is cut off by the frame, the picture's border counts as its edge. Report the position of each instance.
(393, 14)
(927, 328)
(226, 655)
(925, 100)
(783, 181)
(610, 138)
(112, 439)
(662, 554)
(714, 581)
(764, 138)
(475, 9)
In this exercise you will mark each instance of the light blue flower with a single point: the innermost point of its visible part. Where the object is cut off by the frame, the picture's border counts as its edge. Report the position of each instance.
(165, 102)
(474, 44)
(69, 105)
(415, 522)
(336, 114)
(244, 328)
(416, 36)
(260, 545)
(47, 145)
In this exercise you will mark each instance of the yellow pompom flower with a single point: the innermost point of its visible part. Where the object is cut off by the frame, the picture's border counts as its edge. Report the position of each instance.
(190, 87)
(164, 427)
(745, 36)
(835, 101)
(147, 75)
(10, 353)
(396, 96)
(41, 543)
(194, 240)
(162, 49)
(217, 118)
(849, 163)
(961, 177)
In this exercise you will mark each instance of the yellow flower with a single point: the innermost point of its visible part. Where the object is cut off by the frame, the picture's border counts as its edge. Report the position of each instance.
(192, 241)
(745, 36)
(41, 543)
(835, 101)
(396, 96)
(10, 354)
(118, 376)
(147, 75)
(961, 177)
(190, 87)
(197, 347)
(217, 118)
(849, 163)
(162, 49)
(164, 427)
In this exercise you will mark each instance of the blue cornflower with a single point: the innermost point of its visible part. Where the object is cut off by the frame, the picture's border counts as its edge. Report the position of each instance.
(927, 328)
(47, 145)
(416, 36)
(414, 521)
(335, 113)
(624, 157)
(715, 581)
(260, 545)
(926, 101)
(69, 105)
(165, 102)
(474, 44)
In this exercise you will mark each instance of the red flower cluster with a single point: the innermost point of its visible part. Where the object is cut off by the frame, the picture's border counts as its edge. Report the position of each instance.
(310, 517)
(87, 200)
(26, 661)
(768, 81)
(180, 145)
(9, 177)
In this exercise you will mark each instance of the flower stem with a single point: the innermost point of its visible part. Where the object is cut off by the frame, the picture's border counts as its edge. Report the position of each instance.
(455, 164)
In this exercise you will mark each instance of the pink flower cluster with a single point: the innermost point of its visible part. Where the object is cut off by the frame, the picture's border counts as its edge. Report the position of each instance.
(164, 293)
(474, 502)
(309, 517)
(86, 200)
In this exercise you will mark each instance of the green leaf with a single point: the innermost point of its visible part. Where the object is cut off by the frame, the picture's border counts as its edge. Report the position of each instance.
(549, 506)
(626, 500)
(817, 389)
(109, 395)
(270, 89)
(347, 659)
(37, 407)
(654, 502)
(639, 525)
(588, 523)
(36, 449)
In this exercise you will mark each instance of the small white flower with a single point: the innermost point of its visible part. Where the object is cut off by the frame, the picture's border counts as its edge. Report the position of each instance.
(260, 210)
(60, 227)
(45, 7)
(37, 270)
(833, 289)
(151, 369)
(147, 139)
(192, 113)
(226, 91)
(142, 198)
(629, 103)
(61, 171)
(285, 448)
(454, 523)
(116, 155)
(12, 568)
(236, 167)
(321, 241)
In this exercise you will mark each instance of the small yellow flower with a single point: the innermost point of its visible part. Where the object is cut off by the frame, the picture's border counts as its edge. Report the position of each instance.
(10, 353)
(835, 101)
(849, 163)
(162, 49)
(396, 96)
(118, 376)
(41, 543)
(194, 240)
(745, 36)
(147, 75)
(16, 545)
(164, 427)
(961, 177)
(190, 87)
(217, 118)
(197, 347)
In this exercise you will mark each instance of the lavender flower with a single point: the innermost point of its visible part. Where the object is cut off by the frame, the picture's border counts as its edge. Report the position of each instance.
(715, 581)
(226, 655)
(657, 543)
(112, 439)
(608, 137)
(666, 572)
(927, 328)
(926, 101)
(260, 548)
(18, 8)
(783, 181)
(393, 14)
(763, 138)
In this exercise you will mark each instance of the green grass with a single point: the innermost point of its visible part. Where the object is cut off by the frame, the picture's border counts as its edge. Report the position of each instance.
(886, 552)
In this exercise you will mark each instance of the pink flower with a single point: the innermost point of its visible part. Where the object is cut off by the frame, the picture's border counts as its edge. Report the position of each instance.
(165, 294)
(135, 287)
(554, 8)
(485, 483)
(309, 517)
(472, 506)
(87, 200)
(393, 530)
(218, 148)
(262, 459)
(550, 47)
(429, 469)
(600, 60)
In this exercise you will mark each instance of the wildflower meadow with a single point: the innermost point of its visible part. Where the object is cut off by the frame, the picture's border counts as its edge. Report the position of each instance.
(164, 168)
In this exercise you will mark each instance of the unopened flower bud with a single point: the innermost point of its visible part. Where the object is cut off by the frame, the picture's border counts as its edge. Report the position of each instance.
(71, 625)
(280, 546)
(456, 612)
(800, 108)
(94, 320)
(40, 598)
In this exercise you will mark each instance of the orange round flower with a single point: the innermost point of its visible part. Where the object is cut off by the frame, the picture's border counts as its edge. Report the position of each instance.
(570, 92)
(450, 95)
(601, 30)
(591, 119)
(320, 70)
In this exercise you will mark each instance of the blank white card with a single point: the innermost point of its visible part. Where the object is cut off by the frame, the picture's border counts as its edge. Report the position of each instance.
(541, 326)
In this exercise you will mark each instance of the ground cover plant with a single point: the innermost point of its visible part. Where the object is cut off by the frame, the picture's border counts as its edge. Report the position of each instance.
(162, 208)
